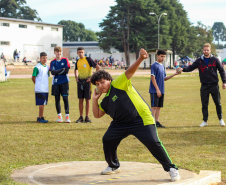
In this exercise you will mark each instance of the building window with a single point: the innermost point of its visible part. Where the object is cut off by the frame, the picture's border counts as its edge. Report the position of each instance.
(39, 27)
(53, 45)
(54, 29)
(22, 26)
(5, 24)
(4, 43)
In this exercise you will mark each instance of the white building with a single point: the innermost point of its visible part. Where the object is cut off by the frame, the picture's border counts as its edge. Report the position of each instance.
(221, 54)
(29, 37)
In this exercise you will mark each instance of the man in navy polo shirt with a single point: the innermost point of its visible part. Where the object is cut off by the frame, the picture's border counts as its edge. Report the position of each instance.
(157, 89)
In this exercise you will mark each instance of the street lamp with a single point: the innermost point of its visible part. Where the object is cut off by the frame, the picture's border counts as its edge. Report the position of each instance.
(152, 13)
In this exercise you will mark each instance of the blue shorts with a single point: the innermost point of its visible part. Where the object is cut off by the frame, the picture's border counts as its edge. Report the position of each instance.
(41, 98)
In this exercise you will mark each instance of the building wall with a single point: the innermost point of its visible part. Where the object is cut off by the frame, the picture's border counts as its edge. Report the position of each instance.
(29, 41)
(222, 54)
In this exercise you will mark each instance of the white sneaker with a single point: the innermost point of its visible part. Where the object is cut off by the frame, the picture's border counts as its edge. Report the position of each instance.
(222, 122)
(110, 170)
(204, 124)
(174, 174)
(67, 119)
(59, 120)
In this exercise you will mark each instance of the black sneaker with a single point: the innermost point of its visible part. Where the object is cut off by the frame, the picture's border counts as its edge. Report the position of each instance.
(88, 120)
(80, 119)
(159, 125)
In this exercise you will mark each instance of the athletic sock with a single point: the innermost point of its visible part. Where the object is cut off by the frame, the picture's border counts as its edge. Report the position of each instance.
(67, 115)
(59, 114)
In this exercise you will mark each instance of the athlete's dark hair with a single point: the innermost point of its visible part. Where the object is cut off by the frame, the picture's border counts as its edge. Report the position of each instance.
(80, 48)
(97, 76)
(161, 52)
(42, 54)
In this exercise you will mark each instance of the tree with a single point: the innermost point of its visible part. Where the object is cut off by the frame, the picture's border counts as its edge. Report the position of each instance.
(90, 35)
(74, 31)
(219, 32)
(204, 36)
(128, 27)
(17, 9)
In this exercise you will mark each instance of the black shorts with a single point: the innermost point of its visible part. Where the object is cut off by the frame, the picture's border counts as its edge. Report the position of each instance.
(157, 101)
(60, 89)
(84, 90)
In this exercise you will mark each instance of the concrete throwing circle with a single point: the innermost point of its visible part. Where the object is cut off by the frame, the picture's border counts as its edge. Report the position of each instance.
(88, 172)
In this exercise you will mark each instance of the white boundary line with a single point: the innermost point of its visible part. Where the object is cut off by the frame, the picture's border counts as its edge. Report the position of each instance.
(31, 176)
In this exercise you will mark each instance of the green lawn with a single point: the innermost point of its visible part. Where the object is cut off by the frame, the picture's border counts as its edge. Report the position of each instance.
(24, 142)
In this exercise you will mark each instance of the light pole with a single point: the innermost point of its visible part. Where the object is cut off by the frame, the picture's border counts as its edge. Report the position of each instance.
(152, 13)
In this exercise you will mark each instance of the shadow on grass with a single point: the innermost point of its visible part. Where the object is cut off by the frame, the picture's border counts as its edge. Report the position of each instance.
(69, 129)
(216, 126)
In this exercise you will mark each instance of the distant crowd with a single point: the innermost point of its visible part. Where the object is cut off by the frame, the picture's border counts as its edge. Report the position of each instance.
(108, 62)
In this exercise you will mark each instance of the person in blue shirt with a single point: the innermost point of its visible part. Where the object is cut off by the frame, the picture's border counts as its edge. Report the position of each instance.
(157, 89)
(59, 68)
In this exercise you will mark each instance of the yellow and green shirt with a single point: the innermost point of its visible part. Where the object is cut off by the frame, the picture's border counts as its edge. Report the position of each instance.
(84, 67)
(124, 104)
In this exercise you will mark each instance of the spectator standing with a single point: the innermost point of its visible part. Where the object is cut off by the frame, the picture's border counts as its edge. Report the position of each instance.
(83, 72)
(59, 68)
(40, 78)
(73, 60)
(18, 56)
(157, 86)
(144, 65)
(208, 66)
(15, 55)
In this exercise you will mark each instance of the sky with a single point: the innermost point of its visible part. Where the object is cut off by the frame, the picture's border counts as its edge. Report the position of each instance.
(91, 13)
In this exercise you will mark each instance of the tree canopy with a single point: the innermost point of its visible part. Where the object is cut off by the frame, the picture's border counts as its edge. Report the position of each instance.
(204, 36)
(17, 9)
(129, 26)
(219, 32)
(74, 31)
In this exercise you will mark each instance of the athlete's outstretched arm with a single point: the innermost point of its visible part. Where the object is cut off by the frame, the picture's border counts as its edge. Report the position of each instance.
(97, 112)
(132, 69)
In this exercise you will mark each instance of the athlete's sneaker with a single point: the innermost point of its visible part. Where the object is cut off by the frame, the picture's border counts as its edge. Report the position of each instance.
(174, 174)
(87, 120)
(222, 123)
(204, 124)
(42, 120)
(159, 125)
(59, 120)
(67, 119)
(80, 119)
(110, 170)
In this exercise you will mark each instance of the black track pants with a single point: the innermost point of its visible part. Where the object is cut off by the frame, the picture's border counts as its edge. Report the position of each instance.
(215, 93)
(66, 104)
(146, 134)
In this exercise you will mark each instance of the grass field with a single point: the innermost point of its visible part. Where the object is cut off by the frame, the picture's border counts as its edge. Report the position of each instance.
(24, 142)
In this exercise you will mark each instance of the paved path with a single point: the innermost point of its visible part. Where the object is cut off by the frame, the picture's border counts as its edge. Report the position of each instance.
(112, 72)
(88, 172)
